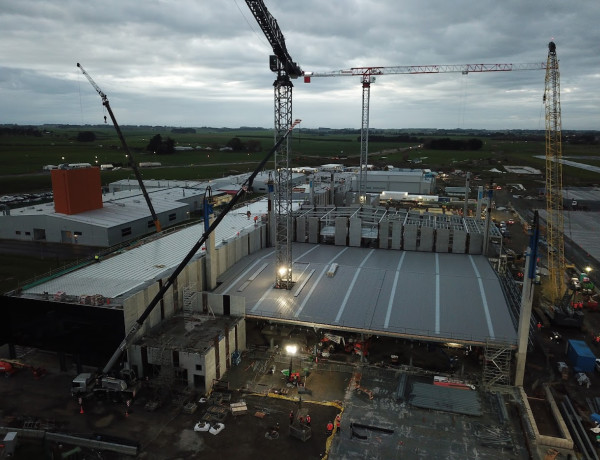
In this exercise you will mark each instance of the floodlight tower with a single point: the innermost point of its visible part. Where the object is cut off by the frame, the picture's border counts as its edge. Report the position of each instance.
(281, 63)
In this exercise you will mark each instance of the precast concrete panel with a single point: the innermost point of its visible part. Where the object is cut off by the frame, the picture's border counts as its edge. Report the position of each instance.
(192, 269)
(355, 232)
(222, 354)
(410, 237)
(132, 309)
(396, 235)
(230, 261)
(426, 240)
(475, 243)
(154, 318)
(241, 334)
(167, 301)
(459, 241)
(239, 248)
(341, 231)
(301, 229)
(221, 259)
(442, 240)
(215, 302)
(237, 305)
(313, 230)
(254, 240)
(199, 267)
(210, 369)
(384, 234)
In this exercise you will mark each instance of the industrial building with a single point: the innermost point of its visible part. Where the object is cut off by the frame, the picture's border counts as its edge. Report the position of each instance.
(410, 259)
(82, 214)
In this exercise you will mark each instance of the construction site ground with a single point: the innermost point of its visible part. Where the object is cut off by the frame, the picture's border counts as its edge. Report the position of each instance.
(394, 428)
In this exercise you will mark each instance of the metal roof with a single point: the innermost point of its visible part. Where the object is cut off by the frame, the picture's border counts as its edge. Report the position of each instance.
(446, 297)
(133, 268)
(118, 207)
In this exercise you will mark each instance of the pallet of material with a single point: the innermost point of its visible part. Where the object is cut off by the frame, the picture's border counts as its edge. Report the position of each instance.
(238, 408)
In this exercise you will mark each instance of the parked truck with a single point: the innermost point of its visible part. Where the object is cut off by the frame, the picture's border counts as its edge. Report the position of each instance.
(122, 387)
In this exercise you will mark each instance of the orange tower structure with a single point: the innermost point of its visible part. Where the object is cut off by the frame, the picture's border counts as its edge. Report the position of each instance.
(76, 190)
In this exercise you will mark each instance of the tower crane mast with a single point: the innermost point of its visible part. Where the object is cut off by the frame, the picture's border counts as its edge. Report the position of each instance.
(554, 186)
(368, 75)
(132, 164)
(286, 69)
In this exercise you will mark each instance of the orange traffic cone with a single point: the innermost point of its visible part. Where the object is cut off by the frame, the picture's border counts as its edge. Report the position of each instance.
(81, 410)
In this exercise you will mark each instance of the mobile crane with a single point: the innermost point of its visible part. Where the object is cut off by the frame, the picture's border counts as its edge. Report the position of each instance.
(132, 164)
(126, 381)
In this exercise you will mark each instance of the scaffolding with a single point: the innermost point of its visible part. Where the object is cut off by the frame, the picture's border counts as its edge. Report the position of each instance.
(496, 364)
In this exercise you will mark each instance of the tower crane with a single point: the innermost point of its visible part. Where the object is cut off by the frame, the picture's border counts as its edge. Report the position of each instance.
(554, 203)
(286, 69)
(368, 75)
(132, 164)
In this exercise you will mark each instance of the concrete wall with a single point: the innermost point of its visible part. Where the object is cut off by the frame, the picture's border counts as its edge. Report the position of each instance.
(341, 231)
(301, 229)
(355, 232)
(209, 368)
(224, 357)
(459, 242)
(442, 240)
(475, 243)
(384, 234)
(426, 239)
(410, 237)
(396, 235)
(314, 227)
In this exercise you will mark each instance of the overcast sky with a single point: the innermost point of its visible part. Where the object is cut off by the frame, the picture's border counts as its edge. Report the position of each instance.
(205, 63)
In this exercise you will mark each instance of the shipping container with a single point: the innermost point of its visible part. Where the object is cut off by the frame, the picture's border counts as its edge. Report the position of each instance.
(580, 356)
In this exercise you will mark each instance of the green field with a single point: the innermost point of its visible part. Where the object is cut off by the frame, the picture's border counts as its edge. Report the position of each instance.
(22, 157)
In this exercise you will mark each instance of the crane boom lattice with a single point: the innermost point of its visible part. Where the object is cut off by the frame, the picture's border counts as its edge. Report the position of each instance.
(128, 154)
(282, 64)
(554, 186)
(368, 75)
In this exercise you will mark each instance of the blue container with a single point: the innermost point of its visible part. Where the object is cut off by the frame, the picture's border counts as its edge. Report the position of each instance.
(580, 356)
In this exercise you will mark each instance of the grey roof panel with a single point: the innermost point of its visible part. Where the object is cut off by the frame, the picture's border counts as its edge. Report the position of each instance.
(445, 296)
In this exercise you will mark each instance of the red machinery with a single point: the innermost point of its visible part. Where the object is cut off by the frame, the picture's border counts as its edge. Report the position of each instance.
(9, 367)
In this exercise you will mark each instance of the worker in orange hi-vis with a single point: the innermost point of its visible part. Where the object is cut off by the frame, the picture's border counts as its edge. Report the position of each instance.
(329, 428)
(307, 419)
(338, 423)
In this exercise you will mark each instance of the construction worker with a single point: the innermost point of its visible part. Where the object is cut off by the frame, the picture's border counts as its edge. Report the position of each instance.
(291, 417)
(338, 423)
(539, 326)
(307, 419)
(329, 428)
(301, 420)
